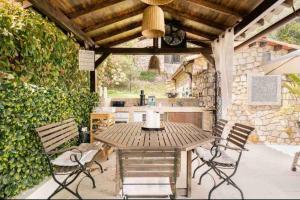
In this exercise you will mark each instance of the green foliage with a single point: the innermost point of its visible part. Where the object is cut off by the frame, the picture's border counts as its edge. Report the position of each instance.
(289, 33)
(147, 76)
(294, 85)
(157, 89)
(23, 108)
(36, 51)
(110, 73)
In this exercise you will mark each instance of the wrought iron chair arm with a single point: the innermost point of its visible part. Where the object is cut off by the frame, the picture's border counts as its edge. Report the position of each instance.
(73, 157)
(232, 148)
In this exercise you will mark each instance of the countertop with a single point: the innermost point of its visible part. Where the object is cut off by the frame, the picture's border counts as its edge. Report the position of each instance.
(161, 109)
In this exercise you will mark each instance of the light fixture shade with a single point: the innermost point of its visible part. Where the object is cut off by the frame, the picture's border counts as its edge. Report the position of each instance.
(153, 22)
(157, 2)
(154, 64)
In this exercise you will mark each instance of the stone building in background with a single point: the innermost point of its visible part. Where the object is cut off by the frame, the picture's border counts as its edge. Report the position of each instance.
(273, 123)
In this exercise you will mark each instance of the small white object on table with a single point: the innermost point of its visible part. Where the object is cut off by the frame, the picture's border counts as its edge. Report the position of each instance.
(152, 119)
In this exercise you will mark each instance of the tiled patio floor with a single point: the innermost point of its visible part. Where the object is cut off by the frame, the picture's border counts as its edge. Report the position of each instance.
(263, 173)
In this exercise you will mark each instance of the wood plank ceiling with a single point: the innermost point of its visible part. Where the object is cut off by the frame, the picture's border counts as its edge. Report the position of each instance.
(108, 23)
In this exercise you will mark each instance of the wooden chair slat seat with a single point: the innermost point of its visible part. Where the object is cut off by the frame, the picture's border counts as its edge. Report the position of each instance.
(150, 163)
(71, 161)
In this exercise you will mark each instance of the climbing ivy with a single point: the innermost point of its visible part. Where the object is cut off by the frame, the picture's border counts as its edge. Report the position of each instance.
(36, 51)
(24, 107)
(39, 84)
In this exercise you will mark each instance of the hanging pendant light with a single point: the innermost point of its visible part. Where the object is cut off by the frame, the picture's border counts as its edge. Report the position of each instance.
(153, 22)
(154, 64)
(157, 2)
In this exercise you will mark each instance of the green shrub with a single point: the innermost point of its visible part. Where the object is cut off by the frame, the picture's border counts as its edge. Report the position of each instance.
(34, 51)
(147, 76)
(24, 107)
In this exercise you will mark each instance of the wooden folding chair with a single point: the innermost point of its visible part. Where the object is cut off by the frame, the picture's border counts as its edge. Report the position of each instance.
(150, 163)
(219, 159)
(71, 161)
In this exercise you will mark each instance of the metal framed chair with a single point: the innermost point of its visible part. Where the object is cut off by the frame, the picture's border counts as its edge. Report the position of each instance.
(71, 161)
(218, 133)
(150, 163)
(219, 159)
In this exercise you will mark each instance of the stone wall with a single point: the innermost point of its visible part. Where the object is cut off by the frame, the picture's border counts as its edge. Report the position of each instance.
(183, 85)
(273, 124)
(204, 87)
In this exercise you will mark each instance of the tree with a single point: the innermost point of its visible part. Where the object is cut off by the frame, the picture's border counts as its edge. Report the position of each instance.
(116, 71)
(289, 33)
(110, 73)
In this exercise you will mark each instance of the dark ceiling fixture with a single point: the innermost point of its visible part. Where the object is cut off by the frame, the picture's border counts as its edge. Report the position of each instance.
(174, 36)
(154, 64)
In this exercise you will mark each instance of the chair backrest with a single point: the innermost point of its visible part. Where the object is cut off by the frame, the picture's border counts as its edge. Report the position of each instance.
(218, 129)
(149, 163)
(239, 134)
(56, 134)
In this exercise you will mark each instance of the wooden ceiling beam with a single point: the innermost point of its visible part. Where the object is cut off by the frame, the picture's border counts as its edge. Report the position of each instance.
(198, 43)
(92, 8)
(258, 13)
(181, 14)
(197, 32)
(117, 31)
(151, 51)
(100, 60)
(288, 3)
(61, 20)
(122, 40)
(217, 8)
(269, 29)
(26, 4)
(121, 16)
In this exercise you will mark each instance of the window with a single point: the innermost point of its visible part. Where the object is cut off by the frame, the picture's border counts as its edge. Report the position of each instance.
(172, 59)
(266, 57)
(175, 59)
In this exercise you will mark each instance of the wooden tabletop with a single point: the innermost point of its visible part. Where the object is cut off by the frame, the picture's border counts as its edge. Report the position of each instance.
(183, 136)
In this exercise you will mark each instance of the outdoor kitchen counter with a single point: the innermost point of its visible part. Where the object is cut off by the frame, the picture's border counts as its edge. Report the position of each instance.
(199, 116)
(166, 109)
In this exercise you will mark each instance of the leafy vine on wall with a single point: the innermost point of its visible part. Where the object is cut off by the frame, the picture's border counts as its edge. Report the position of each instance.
(39, 84)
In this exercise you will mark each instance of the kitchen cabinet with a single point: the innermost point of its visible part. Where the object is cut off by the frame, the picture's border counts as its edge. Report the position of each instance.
(186, 117)
(139, 116)
(122, 117)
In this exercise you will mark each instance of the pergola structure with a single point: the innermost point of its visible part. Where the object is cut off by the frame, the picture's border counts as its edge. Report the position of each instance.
(103, 24)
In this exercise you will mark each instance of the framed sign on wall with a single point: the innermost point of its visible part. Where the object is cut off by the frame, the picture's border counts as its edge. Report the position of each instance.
(86, 60)
(264, 90)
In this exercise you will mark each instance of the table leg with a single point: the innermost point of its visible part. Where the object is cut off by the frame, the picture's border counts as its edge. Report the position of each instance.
(117, 179)
(91, 129)
(189, 174)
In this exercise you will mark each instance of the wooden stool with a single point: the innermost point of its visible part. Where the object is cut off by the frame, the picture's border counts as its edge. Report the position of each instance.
(100, 121)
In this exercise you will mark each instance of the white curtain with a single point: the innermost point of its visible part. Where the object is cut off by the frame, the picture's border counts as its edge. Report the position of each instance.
(223, 50)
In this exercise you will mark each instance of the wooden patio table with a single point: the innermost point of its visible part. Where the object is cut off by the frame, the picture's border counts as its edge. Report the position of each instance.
(183, 136)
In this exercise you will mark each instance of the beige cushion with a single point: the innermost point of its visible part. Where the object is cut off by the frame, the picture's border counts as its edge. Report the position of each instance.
(206, 155)
(88, 153)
